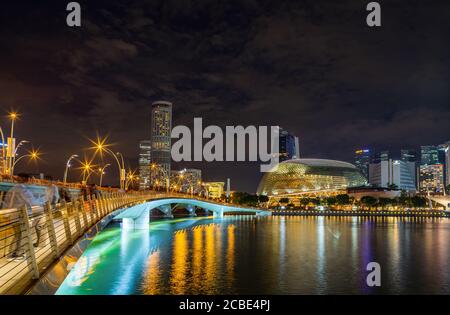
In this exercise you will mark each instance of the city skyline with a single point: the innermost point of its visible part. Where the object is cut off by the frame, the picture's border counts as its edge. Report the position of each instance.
(252, 68)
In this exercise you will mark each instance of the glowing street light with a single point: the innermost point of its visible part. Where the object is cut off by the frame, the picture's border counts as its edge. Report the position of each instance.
(102, 172)
(68, 165)
(11, 148)
(101, 147)
(33, 155)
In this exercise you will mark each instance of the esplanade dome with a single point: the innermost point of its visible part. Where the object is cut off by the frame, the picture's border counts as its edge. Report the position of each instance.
(310, 175)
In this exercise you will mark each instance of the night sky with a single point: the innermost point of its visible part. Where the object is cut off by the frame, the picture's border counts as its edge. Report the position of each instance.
(312, 67)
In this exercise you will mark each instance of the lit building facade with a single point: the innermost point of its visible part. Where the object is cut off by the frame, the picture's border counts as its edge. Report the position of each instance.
(310, 176)
(214, 190)
(144, 164)
(431, 178)
(187, 180)
(393, 173)
(432, 169)
(288, 146)
(362, 161)
(161, 126)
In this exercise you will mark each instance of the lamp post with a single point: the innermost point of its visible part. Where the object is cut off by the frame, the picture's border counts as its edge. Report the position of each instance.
(3, 161)
(102, 171)
(74, 156)
(34, 155)
(15, 153)
(11, 143)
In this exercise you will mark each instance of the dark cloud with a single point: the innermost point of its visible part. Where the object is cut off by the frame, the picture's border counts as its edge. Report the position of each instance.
(313, 67)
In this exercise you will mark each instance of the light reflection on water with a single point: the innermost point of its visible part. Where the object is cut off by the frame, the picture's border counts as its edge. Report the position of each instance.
(268, 255)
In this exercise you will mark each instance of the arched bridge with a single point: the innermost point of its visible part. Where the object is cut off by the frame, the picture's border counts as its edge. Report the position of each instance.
(138, 216)
(442, 200)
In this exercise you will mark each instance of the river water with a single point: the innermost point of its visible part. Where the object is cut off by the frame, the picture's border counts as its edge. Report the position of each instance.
(266, 255)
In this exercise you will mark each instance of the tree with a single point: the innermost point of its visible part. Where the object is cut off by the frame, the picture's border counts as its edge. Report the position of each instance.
(304, 201)
(368, 201)
(315, 201)
(284, 200)
(263, 198)
(383, 202)
(418, 202)
(331, 200)
(343, 199)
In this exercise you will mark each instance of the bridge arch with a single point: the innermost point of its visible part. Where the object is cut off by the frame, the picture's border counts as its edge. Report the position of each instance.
(138, 216)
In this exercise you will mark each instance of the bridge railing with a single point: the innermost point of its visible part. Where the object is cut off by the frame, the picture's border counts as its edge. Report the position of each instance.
(31, 239)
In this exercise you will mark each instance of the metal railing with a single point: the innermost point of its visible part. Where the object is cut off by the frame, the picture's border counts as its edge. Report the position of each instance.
(31, 239)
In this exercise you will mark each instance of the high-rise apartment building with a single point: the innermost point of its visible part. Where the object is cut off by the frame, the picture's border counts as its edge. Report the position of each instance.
(161, 127)
(144, 164)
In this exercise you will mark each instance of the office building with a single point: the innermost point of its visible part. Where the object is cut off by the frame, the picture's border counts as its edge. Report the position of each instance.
(396, 174)
(144, 164)
(288, 146)
(431, 170)
(362, 161)
(412, 160)
(161, 126)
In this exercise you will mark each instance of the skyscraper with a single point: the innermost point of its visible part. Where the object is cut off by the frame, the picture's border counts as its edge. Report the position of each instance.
(411, 159)
(396, 173)
(431, 171)
(288, 146)
(161, 127)
(144, 164)
(447, 163)
(362, 160)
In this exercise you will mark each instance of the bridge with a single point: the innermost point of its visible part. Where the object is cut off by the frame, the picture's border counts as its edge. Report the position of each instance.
(138, 216)
(33, 239)
(441, 200)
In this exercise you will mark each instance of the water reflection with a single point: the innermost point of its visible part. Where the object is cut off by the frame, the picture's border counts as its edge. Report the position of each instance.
(271, 255)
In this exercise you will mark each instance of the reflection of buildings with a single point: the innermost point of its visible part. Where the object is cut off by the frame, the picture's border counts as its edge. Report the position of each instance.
(214, 190)
(431, 171)
(362, 161)
(310, 176)
(161, 126)
(288, 146)
(144, 164)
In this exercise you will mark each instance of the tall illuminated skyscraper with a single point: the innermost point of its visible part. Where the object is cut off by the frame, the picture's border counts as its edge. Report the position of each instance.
(288, 146)
(161, 127)
(362, 160)
(144, 164)
(431, 171)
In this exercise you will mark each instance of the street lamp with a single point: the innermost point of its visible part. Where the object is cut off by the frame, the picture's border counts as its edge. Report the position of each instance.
(74, 156)
(33, 155)
(3, 161)
(102, 172)
(11, 143)
(101, 147)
